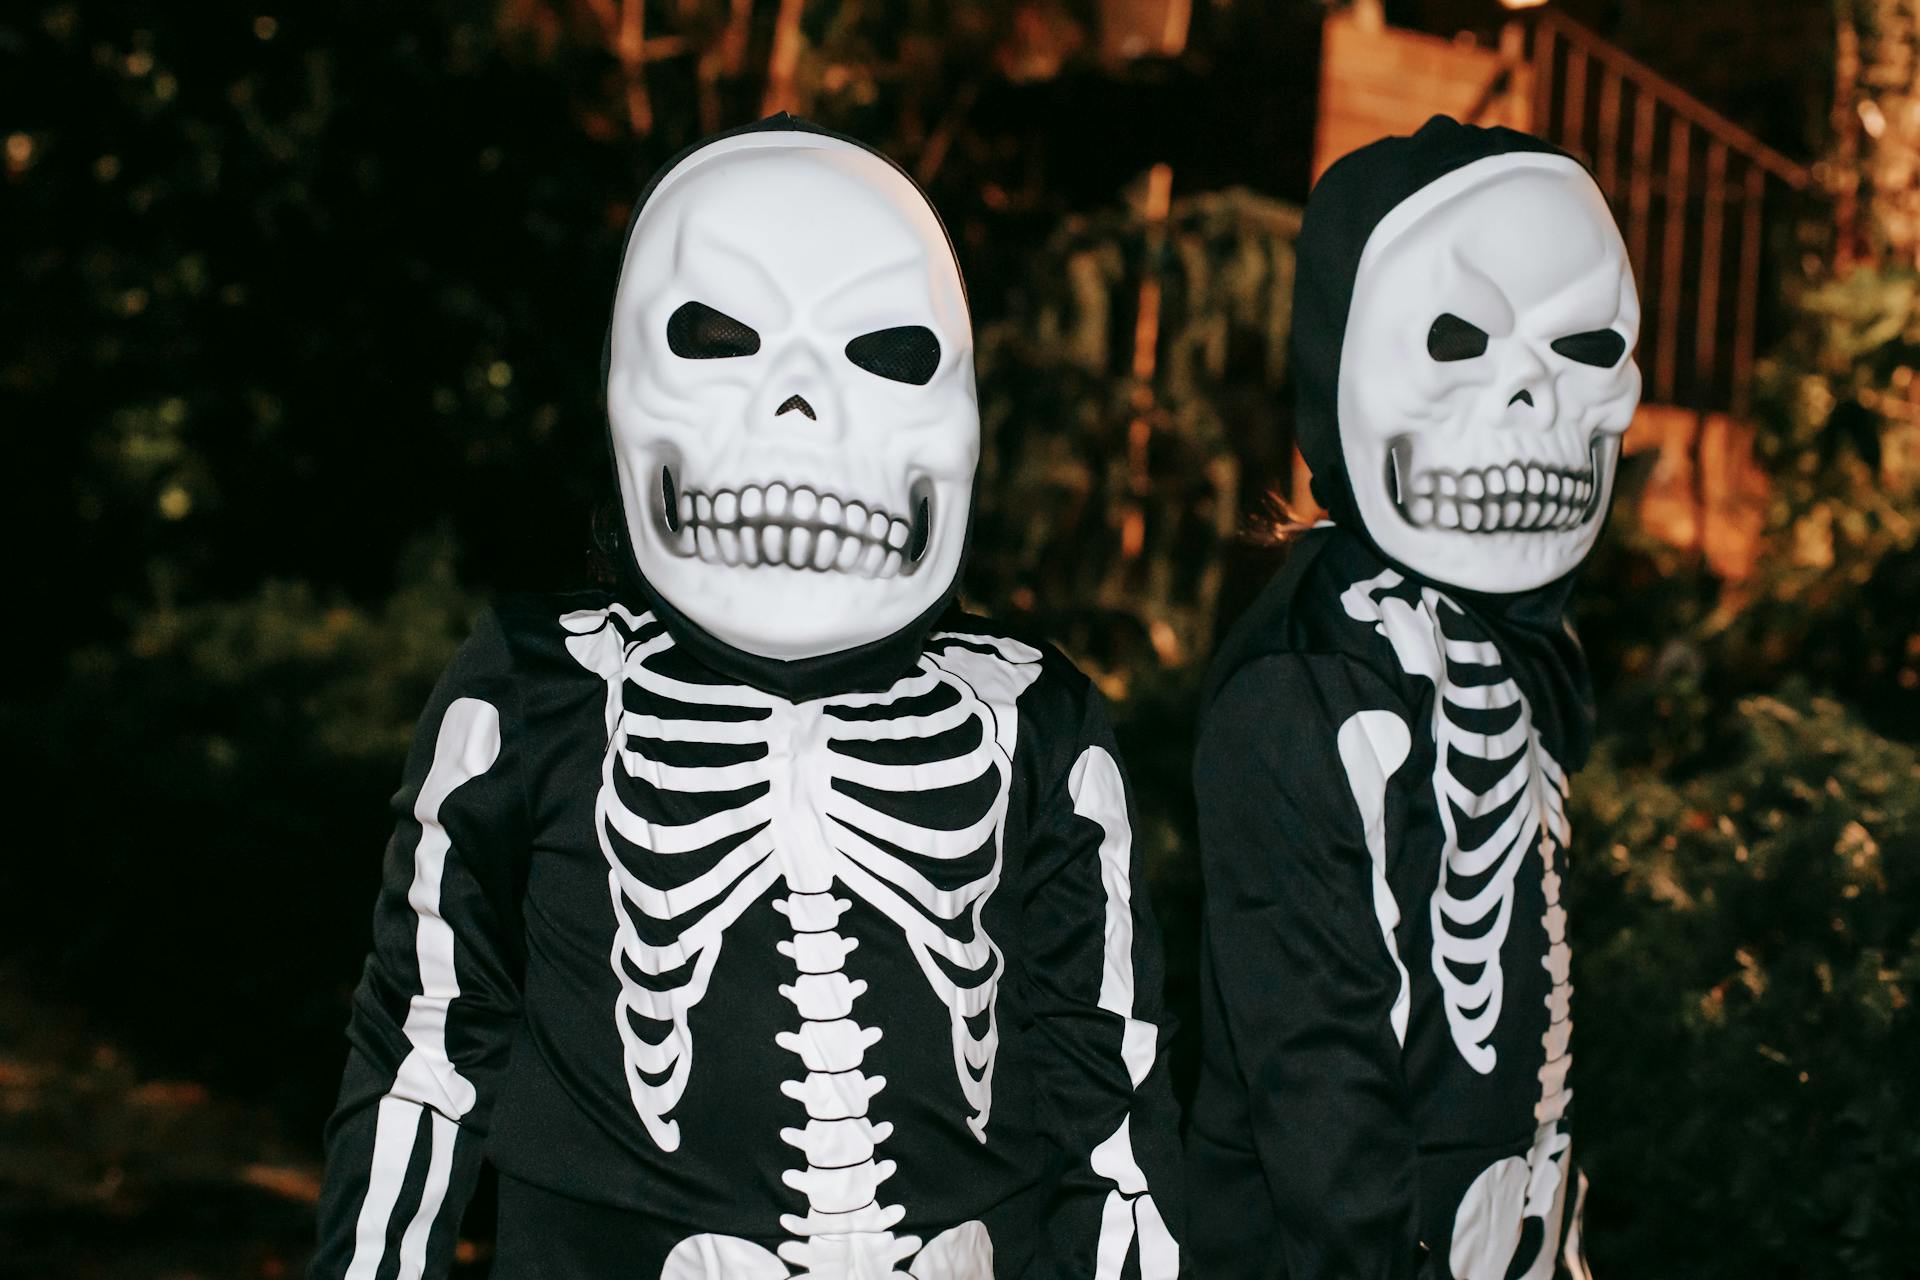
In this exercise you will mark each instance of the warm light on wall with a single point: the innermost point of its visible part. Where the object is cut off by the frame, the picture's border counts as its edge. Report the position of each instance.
(1521, 4)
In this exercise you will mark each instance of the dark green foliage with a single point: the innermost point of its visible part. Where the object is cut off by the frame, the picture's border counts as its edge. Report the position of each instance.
(281, 274)
(1840, 417)
(282, 303)
(300, 364)
(1746, 917)
(1085, 433)
(1119, 456)
(211, 803)
(1747, 957)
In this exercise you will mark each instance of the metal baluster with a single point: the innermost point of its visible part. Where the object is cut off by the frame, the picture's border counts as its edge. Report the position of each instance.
(1712, 228)
(1673, 249)
(1542, 121)
(1747, 317)
(1607, 157)
(1640, 197)
(1573, 103)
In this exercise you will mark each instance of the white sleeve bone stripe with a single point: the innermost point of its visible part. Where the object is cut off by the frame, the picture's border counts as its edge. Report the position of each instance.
(396, 1129)
(467, 746)
(1100, 796)
(393, 1134)
(1373, 746)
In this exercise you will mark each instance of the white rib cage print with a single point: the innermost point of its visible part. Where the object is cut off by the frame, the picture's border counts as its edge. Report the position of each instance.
(1501, 796)
(809, 801)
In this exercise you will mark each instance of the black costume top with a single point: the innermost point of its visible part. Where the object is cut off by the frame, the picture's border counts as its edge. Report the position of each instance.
(739, 968)
(913, 908)
(1381, 778)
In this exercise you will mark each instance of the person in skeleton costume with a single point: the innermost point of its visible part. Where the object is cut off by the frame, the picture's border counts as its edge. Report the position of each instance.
(771, 918)
(1384, 754)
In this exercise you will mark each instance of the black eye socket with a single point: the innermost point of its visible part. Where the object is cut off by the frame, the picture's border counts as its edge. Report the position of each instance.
(1601, 348)
(1452, 338)
(908, 354)
(697, 332)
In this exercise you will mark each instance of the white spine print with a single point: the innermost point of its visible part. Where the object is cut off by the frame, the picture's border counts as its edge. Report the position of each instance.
(824, 845)
(1472, 907)
(1547, 1161)
(846, 1230)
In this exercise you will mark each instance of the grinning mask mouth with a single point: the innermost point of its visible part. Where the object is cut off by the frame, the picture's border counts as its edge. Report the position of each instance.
(791, 396)
(1517, 497)
(1486, 375)
(797, 527)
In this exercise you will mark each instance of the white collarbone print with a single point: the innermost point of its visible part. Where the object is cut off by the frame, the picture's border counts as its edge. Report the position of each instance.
(1502, 799)
(806, 835)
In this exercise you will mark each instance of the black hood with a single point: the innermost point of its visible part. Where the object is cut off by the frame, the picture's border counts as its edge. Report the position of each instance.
(873, 665)
(1349, 201)
(1532, 628)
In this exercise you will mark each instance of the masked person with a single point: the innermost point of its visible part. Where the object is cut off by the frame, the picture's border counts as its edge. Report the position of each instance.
(1383, 761)
(772, 918)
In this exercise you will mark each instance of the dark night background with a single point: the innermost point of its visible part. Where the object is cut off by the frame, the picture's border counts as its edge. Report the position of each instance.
(300, 330)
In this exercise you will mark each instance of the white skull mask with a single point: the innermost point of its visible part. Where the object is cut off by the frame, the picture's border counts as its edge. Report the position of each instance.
(791, 395)
(1486, 373)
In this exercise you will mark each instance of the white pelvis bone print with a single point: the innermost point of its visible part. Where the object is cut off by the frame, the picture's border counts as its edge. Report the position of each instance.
(791, 395)
(806, 838)
(1482, 728)
(1487, 373)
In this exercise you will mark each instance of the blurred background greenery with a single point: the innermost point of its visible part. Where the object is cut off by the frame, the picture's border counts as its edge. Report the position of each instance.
(300, 343)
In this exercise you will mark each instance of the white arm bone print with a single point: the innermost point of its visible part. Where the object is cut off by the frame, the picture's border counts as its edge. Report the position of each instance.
(817, 797)
(1373, 745)
(428, 1080)
(1100, 796)
(1501, 797)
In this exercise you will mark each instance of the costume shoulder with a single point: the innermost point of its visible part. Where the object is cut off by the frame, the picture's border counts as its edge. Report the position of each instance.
(536, 628)
(1013, 642)
(1314, 608)
(1054, 699)
(532, 615)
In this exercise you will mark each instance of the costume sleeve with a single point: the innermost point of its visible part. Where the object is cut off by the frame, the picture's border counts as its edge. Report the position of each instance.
(1093, 981)
(439, 998)
(1302, 1136)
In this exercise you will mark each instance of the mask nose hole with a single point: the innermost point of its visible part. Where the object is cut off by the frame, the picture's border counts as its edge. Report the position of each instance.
(1522, 396)
(800, 403)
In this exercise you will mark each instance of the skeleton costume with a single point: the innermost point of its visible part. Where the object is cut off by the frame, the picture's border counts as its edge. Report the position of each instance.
(774, 918)
(1384, 754)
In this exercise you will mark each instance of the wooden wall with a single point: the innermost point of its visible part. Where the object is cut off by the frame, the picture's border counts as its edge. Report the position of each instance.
(1377, 80)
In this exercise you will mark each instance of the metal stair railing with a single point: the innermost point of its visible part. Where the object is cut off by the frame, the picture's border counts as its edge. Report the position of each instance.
(1696, 195)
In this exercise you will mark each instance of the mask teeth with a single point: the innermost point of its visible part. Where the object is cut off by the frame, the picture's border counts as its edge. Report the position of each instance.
(1519, 497)
(669, 501)
(1603, 455)
(792, 526)
(920, 534)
